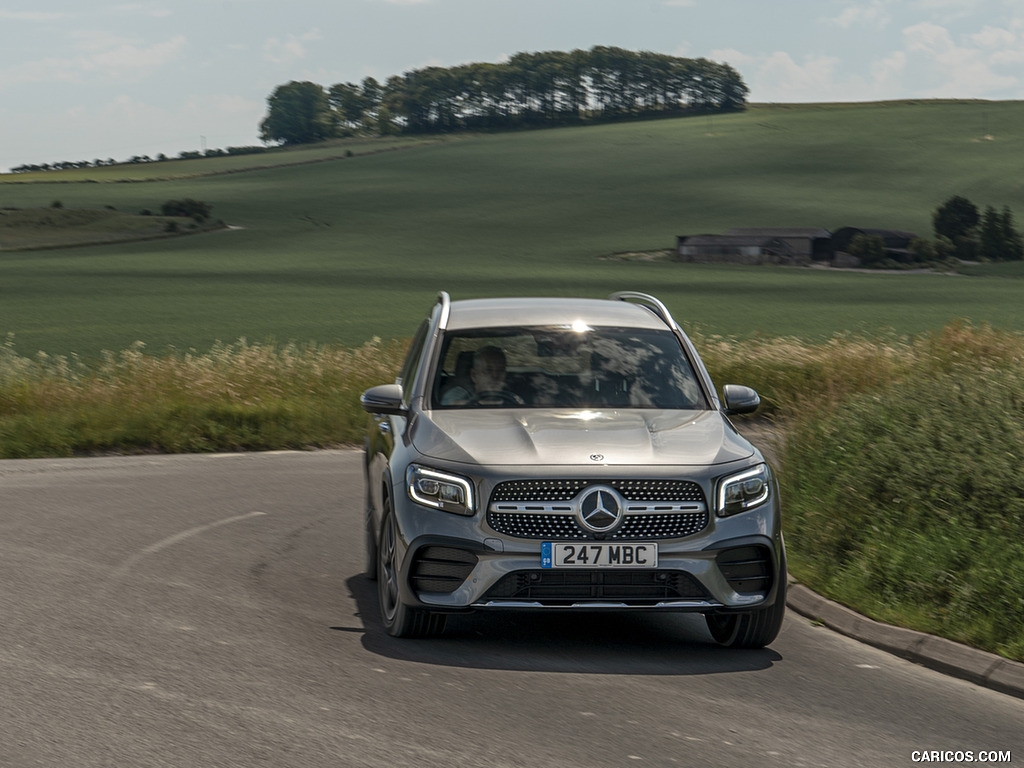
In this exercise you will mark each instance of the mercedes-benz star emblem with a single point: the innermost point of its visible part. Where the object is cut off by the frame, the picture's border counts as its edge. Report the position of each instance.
(600, 510)
(597, 457)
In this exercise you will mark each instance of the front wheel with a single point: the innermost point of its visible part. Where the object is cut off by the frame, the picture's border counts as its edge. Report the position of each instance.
(400, 619)
(754, 629)
(369, 550)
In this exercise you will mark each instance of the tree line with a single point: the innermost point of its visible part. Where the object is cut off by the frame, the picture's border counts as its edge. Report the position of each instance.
(529, 90)
(963, 232)
(65, 165)
(966, 233)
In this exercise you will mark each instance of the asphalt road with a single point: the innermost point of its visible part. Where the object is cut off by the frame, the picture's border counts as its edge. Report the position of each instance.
(210, 611)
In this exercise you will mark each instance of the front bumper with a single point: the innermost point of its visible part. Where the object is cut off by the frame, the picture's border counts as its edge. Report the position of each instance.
(734, 567)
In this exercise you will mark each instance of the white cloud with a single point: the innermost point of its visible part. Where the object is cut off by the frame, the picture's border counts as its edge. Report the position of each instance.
(103, 56)
(948, 11)
(780, 78)
(1009, 59)
(291, 48)
(789, 81)
(124, 60)
(94, 40)
(731, 56)
(144, 9)
(874, 13)
(964, 71)
(889, 68)
(928, 38)
(993, 37)
(963, 6)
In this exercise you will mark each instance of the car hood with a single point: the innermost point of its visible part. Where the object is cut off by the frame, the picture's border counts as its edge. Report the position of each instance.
(554, 437)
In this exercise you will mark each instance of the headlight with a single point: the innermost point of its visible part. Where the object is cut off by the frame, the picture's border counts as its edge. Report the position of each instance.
(743, 491)
(440, 490)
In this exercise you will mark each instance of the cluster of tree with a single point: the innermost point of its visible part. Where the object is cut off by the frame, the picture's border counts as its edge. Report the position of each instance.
(530, 89)
(137, 159)
(63, 165)
(962, 233)
(254, 150)
(187, 207)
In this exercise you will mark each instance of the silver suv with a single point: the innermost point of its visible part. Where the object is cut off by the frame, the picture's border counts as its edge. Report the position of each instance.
(567, 454)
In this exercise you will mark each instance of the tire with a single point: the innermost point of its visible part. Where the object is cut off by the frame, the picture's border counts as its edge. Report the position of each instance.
(369, 549)
(399, 619)
(369, 535)
(754, 629)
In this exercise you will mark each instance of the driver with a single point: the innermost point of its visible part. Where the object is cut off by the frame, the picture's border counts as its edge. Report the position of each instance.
(488, 378)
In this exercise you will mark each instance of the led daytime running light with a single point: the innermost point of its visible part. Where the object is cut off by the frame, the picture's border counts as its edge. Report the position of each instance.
(744, 491)
(440, 490)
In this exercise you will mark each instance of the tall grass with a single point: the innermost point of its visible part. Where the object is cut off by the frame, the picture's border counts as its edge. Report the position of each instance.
(240, 396)
(903, 479)
(794, 377)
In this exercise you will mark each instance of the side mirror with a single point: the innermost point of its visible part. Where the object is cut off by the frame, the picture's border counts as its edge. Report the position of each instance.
(739, 399)
(383, 400)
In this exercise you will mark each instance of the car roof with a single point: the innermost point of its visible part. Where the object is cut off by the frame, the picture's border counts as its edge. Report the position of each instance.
(510, 311)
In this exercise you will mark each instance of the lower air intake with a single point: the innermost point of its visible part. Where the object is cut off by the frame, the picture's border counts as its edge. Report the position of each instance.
(441, 569)
(638, 588)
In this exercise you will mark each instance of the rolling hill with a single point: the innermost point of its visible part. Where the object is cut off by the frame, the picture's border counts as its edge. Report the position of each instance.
(349, 247)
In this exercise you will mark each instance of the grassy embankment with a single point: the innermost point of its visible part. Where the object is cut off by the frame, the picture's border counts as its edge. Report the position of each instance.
(901, 502)
(903, 474)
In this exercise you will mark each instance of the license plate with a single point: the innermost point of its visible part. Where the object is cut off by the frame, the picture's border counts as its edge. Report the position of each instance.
(589, 555)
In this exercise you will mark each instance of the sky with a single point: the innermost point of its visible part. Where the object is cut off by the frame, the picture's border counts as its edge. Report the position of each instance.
(88, 79)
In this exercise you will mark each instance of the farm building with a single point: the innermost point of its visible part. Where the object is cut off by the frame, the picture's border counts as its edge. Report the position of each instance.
(756, 246)
(897, 243)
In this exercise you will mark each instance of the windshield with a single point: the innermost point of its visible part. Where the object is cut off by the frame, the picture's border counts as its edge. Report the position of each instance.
(564, 367)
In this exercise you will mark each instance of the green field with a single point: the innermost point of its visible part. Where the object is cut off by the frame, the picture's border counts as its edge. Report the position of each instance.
(341, 249)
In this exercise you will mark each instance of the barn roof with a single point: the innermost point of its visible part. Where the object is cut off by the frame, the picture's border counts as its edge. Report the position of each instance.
(727, 239)
(880, 232)
(813, 232)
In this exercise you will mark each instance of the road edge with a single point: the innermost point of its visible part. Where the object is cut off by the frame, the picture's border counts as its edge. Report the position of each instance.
(955, 659)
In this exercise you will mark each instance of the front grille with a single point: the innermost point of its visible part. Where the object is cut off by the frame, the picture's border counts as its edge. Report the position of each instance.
(564, 490)
(544, 509)
(555, 587)
(441, 569)
(747, 569)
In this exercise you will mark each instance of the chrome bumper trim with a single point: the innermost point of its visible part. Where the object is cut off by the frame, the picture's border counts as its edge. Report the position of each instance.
(664, 605)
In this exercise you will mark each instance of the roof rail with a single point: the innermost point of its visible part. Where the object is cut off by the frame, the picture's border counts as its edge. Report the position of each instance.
(446, 307)
(649, 301)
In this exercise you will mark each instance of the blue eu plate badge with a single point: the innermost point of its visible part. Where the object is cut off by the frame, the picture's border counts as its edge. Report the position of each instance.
(545, 555)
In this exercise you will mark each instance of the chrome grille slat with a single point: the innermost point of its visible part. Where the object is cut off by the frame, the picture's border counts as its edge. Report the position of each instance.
(654, 509)
(533, 507)
(636, 509)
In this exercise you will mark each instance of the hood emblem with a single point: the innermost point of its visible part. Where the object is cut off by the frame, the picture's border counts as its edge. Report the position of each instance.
(597, 457)
(600, 509)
